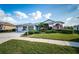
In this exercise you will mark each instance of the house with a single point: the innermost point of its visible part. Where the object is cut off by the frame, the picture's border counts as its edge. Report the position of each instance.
(47, 24)
(26, 27)
(6, 26)
(53, 24)
(19, 28)
(76, 27)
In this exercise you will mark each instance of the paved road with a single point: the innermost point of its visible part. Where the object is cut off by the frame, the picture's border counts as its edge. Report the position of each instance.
(7, 36)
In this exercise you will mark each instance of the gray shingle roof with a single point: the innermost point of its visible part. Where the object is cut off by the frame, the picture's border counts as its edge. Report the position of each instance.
(6, 23)
(51, 21)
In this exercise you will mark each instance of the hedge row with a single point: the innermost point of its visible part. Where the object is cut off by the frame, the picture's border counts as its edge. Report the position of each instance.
(62, 31)
(76, 31)
(59, 31)
(65, 31)
(32, 32)
(52, 31)
(1, 31)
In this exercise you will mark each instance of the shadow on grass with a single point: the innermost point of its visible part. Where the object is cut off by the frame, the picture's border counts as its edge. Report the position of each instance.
(75, 40)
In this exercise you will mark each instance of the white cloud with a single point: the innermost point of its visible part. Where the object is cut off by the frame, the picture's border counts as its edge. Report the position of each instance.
(20, 15)
(48, 15)
(72, 21)
(36, 15)
(6, 17)
(9, 19)
(2, 13)
(69, 18)
(8, 14)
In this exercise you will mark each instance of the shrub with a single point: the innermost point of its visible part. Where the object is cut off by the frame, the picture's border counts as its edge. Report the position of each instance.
(37, 32)
(32, 32)
(65, 31)
(28, 33)
(2, 31)
(76, 31)
(50, 31)
(50, 28)
(42, 29)
(13, 30)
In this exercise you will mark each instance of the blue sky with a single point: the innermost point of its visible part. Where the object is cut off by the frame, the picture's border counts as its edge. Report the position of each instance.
(33, 13)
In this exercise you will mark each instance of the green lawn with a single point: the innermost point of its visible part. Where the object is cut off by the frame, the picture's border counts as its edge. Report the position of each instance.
(58, 36)
(19, 46)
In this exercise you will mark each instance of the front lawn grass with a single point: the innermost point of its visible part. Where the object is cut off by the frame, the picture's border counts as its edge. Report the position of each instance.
(26, 47)
(57, 36)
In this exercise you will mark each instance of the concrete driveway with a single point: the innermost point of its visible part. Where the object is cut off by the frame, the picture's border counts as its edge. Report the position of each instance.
(7, 36)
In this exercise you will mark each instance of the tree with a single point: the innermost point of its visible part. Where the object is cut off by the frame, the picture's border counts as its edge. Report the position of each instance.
(43, 26)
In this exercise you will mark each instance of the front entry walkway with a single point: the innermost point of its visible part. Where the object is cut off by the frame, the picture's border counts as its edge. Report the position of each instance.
(58, 42)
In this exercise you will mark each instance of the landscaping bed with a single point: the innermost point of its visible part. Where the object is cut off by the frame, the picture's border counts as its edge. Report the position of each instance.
(6, 31)
(26, 47)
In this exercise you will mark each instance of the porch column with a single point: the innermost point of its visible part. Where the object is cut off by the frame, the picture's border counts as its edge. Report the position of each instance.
(34, 27)
(27, 30)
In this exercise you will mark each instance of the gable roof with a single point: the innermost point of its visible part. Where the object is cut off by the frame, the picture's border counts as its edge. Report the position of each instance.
(27, 24)
(59, 22)
(51, 21)
(6, 23)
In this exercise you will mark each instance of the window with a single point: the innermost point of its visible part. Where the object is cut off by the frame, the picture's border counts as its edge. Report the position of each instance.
(0, 27)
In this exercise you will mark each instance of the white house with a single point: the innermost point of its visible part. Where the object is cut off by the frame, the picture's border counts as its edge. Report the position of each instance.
(54, 24)
(26, 27)
(19, 28)
(76, 27)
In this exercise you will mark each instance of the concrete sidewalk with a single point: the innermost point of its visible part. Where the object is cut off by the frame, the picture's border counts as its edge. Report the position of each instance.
(57, 42)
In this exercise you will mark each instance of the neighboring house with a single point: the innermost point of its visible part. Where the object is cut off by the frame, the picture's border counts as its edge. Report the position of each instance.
(76, 27)
(54, 24)
(19, 28)
(26, 27)
(6, 26)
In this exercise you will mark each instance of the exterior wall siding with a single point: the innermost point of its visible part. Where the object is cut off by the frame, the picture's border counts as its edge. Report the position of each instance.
(8, 27)
(76, 28)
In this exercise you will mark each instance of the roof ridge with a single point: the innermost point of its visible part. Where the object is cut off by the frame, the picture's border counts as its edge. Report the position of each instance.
(6, 23)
